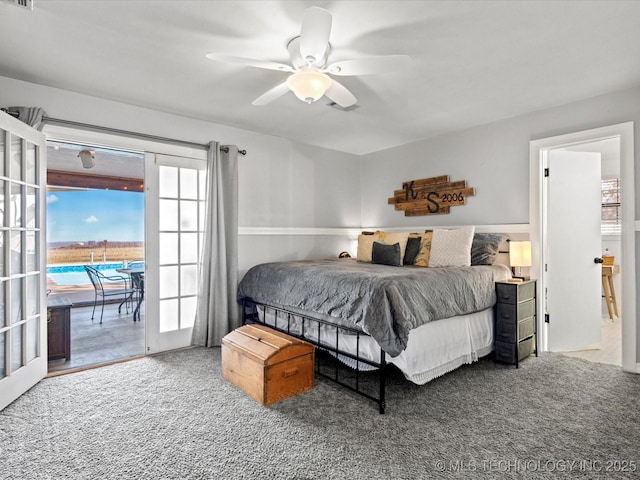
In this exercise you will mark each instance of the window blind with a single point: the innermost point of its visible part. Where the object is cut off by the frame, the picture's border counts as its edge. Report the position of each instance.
(611, 214)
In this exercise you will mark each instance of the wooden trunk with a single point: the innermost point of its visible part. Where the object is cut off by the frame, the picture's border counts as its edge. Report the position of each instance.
(267, 365)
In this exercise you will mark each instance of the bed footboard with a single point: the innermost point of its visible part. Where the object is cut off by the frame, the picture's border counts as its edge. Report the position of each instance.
(327, 337)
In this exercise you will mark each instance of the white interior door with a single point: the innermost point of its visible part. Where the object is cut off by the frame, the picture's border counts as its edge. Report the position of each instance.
(175, 208)
(23, 326)
(573, 279)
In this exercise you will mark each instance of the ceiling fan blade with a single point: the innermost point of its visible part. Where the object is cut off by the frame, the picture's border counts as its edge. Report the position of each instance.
(339, 94)
(369, 65)
(314, 35)
(271, 95)
(249, 62)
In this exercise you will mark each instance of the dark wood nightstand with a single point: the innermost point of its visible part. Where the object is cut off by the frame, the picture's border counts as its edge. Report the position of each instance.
(59, 328)
(516, 336)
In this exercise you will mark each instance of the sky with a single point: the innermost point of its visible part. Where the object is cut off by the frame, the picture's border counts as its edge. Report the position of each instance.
(84, 215)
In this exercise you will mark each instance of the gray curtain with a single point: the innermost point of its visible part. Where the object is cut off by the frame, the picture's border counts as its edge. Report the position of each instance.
(32, 116)
(218, 312)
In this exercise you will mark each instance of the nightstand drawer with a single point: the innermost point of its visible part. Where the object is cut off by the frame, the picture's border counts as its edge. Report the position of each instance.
(512, 313)
(515, 292)
(514, 352)
(512, 332)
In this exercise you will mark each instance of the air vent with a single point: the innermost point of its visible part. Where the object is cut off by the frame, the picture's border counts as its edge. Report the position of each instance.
(28, 4)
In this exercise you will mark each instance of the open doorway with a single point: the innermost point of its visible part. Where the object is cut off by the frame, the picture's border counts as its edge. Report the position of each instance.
(95, 218)
(539, 156)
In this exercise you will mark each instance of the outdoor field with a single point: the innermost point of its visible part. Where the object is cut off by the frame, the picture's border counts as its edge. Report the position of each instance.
(82, 254)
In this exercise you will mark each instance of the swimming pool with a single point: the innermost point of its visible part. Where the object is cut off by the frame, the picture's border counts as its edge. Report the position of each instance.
(76, 275)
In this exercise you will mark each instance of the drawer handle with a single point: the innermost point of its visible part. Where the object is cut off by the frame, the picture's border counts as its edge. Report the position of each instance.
(290, 372)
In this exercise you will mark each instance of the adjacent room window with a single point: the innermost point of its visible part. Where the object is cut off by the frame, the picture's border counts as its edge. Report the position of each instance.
(611, 214)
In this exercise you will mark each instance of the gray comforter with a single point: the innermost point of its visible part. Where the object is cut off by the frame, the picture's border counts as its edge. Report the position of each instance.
(385, 302)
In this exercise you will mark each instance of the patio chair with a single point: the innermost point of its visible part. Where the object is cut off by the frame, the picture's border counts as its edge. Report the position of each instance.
(100, 281)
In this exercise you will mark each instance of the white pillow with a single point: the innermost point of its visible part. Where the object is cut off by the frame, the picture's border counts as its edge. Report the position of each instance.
(395, 237)
(451, 248)
(365, 246)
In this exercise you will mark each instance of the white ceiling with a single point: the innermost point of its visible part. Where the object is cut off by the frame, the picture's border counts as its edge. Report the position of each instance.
(473, 62)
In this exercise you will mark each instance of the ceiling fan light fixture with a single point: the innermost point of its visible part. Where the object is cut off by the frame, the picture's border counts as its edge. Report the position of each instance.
(309, 86)
(87, 158)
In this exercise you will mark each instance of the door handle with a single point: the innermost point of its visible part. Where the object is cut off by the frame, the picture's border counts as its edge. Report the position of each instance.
(598, 260)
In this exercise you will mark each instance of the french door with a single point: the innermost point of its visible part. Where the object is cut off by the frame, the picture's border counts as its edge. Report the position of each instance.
(23, 318)
(174, 226)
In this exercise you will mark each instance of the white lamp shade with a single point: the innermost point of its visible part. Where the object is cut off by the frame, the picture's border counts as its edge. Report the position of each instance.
(309, 86)
(520, 254)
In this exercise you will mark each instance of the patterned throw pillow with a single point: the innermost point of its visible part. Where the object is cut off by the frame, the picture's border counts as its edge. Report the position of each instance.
(451, 248)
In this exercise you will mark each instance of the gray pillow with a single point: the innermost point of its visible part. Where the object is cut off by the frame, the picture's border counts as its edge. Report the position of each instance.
(484, 248)
(411, 251)
(386, 254)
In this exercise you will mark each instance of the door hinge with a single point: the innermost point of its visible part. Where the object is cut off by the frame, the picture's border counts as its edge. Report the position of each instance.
(546, 318)
(546, 172)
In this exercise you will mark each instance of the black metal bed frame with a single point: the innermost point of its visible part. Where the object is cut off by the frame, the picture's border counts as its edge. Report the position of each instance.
(250, 315)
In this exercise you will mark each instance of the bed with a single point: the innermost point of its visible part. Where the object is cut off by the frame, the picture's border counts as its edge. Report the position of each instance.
(368, 313)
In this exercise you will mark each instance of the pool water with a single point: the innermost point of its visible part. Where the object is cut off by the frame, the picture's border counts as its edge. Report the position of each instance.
(76, 275)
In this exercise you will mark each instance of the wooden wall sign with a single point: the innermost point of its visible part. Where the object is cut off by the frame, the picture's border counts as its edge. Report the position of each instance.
(430, 196)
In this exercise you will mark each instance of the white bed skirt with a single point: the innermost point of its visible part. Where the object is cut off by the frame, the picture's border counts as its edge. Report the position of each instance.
(433, 349)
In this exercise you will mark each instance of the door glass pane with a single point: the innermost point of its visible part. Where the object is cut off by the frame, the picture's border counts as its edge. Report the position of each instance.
(16, 348)
(168, 215)
(15, 207)
(2, 347)
(168, 315)
(188, 248)
(3, 188)
(168, 248)
(31, 213)
(201, 214)
(3, 306)
(16, 300)
(202, 184)
(16, 158)
(3, 269)
(31, 239)
(32, 168)
(188, 311)
(3, 136)
(188, 183)
(188, 280)
(32, 338)
(16, 253)
(33, 295)
(168, 182)
(188, 215)
(168, 282)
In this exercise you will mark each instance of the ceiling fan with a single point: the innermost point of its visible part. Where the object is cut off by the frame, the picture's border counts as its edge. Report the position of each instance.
(309, 79)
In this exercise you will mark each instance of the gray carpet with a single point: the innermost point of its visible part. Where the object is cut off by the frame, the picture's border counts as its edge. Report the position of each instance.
(172, 416)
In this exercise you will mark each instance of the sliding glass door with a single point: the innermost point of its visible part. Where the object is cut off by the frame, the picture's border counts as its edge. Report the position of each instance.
(174, 228)
(23, 318)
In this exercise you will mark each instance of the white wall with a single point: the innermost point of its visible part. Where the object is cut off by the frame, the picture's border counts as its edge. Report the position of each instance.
(286, 184)
(494, 159)
(282, 183)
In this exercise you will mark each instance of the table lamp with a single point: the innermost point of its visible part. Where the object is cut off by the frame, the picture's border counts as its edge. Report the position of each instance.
(519, 256)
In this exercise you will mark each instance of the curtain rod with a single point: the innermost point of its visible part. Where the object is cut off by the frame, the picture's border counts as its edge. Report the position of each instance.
(146, 136)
